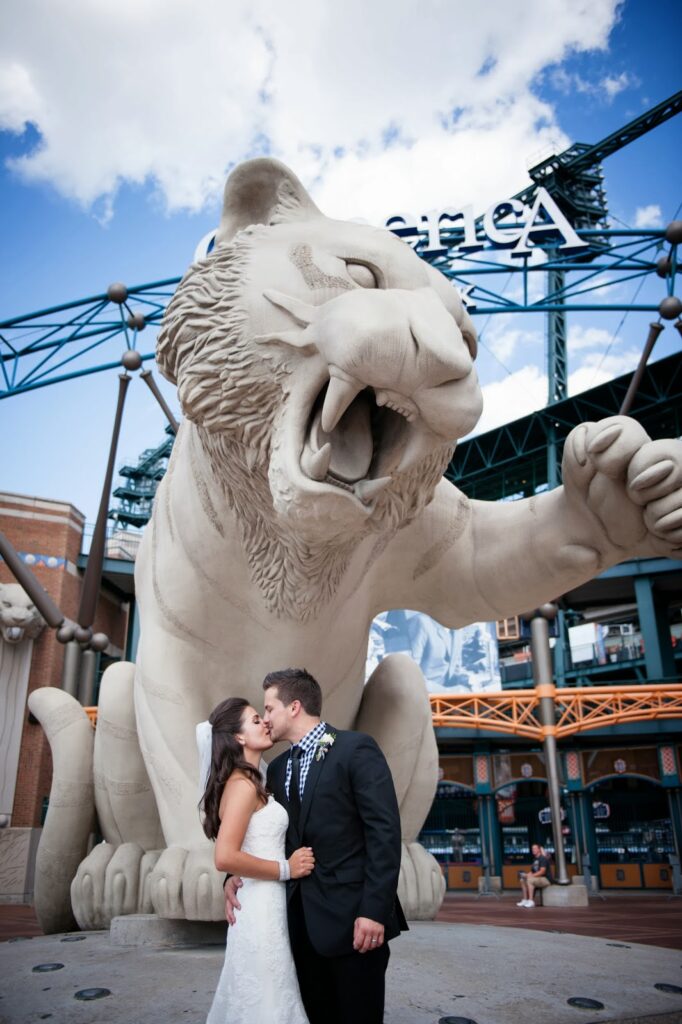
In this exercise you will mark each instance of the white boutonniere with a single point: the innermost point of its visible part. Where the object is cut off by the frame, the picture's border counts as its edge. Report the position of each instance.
(323, 745)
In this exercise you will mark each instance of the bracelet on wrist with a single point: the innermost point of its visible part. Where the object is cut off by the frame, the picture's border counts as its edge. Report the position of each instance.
(284, 871)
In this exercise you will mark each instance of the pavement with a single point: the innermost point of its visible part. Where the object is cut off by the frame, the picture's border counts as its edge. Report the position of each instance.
(438, 972)
(641, 916)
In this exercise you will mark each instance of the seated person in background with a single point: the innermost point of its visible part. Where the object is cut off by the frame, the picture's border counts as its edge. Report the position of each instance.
(538, 877)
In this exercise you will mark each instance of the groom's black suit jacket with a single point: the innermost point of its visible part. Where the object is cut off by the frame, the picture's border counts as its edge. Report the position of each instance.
(350, 818)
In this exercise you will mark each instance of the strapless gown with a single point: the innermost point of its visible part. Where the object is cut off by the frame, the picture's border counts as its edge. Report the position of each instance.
(258, 983)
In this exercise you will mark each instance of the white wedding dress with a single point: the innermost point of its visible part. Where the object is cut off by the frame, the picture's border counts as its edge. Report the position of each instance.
(258, 983)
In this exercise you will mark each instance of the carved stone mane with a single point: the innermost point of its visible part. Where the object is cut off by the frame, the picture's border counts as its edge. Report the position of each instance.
(234, 391)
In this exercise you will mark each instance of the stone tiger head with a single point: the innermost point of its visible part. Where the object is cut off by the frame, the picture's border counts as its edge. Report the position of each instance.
(19, 617)
(327, 350)
(321, 359)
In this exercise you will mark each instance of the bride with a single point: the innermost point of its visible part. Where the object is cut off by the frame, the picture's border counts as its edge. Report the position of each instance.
(258, 980)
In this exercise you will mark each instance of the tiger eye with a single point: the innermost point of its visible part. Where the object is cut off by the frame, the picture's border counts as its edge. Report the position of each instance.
(362, 275)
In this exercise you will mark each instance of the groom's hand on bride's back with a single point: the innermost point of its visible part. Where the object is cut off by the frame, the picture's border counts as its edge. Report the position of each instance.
(233, 883)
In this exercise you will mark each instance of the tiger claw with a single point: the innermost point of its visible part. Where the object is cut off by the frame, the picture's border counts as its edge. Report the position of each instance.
(604, 439)
(652, 475)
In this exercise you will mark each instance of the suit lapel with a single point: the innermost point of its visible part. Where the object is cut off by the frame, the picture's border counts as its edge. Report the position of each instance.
(278, 782)
(279, 790)
(313, 777)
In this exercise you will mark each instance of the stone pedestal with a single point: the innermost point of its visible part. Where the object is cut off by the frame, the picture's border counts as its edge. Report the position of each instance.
(150, 930)
(18, 847)
(574, 895)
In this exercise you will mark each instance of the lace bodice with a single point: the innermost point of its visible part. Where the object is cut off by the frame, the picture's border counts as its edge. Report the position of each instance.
(267, 829)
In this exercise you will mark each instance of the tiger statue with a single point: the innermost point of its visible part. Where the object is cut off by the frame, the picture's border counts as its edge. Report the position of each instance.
(325, 373)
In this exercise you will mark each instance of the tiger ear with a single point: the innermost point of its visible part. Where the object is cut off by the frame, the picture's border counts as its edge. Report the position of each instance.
(262, 191)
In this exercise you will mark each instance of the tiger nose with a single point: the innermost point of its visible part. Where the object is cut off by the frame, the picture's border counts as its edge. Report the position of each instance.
(442, 354)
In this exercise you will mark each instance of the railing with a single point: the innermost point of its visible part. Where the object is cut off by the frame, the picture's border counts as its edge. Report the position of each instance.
(578, 709)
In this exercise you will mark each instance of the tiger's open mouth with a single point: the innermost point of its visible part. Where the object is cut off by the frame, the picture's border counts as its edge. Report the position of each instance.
(357, 438)
(13, 634)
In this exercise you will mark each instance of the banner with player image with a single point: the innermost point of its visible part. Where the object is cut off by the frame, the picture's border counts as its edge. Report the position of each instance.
(452, 660)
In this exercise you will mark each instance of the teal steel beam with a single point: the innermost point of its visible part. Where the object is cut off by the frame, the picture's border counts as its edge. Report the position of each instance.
(641, 567)
(133, 290)
(70, 376)
(514, 447)
(659, 657)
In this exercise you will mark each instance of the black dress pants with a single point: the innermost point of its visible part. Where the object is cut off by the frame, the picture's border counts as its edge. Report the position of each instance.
(337, 989)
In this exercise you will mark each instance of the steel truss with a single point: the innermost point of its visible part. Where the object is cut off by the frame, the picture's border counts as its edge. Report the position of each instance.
(578, 710)
(37, 348)
(89, 336)
(613, 257)
(511, 460)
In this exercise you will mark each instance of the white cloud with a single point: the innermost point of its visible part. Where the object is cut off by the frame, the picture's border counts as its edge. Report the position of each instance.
(613, 84)
(606, 88)
(504, 340)
(613, 365)
(580, 338)
(648, 216)
(515, 396)
(358, 98)
(20, 102)
(525, 390)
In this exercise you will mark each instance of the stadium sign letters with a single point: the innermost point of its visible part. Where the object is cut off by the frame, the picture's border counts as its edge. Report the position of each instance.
(541, 225)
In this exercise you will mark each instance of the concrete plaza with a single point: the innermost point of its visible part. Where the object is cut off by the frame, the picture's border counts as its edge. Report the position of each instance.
(482, 973)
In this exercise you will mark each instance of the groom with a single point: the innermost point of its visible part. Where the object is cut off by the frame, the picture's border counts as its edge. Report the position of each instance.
(339, 793)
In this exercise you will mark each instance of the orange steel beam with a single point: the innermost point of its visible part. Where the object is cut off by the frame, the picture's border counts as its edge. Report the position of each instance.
(578, 710)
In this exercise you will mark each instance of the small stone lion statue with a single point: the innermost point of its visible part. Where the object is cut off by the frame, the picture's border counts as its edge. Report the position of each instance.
(19, 617)
(325, 374)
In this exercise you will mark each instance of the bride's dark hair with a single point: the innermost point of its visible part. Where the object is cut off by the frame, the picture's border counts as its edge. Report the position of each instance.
(227, 756)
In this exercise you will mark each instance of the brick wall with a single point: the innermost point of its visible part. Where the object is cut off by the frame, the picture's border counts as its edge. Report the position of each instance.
(51, 532)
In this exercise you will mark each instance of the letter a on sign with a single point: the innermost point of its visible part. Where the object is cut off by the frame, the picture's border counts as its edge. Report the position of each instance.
(546, 219)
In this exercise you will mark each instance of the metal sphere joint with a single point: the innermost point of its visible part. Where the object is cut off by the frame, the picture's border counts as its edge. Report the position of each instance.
(136, 322)
(670, 307)
(66, 632)
(131, 359)
(117, 292)
(545, 611)
(673, 232)
(99, 642)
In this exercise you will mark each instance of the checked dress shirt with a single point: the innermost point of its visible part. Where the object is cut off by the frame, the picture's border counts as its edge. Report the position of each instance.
(307, 745)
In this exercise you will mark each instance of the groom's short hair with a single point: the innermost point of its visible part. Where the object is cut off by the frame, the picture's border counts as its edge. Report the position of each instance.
(296, 684)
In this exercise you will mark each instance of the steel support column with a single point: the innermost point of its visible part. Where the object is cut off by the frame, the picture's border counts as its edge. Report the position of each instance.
(71, 668)
(545, 689)
(133, 637)
(675, 806)
(86, 684)
(491, 845)
(557, 373)
(653, 623)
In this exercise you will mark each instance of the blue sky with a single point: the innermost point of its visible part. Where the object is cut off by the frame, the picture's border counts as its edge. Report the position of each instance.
(119, 123)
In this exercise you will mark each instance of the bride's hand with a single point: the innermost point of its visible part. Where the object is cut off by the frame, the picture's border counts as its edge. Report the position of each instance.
(233, 883)
(302, 862)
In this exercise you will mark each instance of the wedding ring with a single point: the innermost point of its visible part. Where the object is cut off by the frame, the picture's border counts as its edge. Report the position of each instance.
(373, 941)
